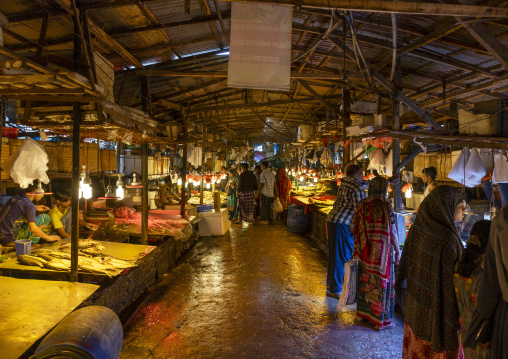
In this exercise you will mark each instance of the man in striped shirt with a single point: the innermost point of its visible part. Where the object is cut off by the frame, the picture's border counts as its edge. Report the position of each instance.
(340, 239)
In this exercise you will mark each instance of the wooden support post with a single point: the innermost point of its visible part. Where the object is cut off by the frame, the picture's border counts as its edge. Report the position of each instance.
(202, 189)
(144, 198)
(99, 167)
(214, 172)
(346, 109)
(3, 105)
(118, 154)
(145, 106)
(76, 135)
(184, 174)
(397, 83)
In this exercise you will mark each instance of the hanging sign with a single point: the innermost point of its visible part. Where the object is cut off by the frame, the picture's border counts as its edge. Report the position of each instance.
(260, 46)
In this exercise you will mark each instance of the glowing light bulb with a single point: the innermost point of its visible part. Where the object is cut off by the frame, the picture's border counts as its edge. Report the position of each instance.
(179, 181)
(120, 192)
(208, 186)
(87, 191)
(409, 192)
(315, 179)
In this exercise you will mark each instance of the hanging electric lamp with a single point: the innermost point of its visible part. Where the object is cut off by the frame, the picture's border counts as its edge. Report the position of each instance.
(134, 180)
(119, 187)
(109, 192)
(39, 189)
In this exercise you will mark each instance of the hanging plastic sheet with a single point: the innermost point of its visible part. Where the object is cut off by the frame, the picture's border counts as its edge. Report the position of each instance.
(475, 170)
(458, 171)
(377, 161)
(28, 163)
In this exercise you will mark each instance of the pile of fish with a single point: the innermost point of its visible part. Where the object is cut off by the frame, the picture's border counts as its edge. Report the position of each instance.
(90, 259)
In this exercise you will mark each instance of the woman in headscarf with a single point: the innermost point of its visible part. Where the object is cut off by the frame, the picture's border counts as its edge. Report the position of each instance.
(232, 197)
(468, 276)
(431, 250)
(283, 186)
(376, 245)
(489, 327)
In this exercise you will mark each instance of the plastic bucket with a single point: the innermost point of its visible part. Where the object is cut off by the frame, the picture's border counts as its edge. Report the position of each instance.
(298, 221)
(88, 333)
(10, 132)
(205, 208)
(23, 246)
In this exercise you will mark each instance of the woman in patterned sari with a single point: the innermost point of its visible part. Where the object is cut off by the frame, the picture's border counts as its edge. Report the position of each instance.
(377, 247)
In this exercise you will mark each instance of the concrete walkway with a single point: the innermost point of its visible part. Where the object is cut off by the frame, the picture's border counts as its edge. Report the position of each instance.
(253, 293)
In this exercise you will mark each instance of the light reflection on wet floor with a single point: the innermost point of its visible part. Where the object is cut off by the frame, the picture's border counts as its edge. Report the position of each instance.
(253, 293)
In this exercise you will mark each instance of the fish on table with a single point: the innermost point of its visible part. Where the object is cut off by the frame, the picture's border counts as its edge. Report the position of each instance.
(32, 260)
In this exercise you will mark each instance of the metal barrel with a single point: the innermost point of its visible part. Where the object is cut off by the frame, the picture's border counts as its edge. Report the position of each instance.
(92, 332)
(297, 221)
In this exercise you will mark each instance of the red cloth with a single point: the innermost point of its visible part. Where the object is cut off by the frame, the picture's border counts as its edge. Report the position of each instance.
(324, 198)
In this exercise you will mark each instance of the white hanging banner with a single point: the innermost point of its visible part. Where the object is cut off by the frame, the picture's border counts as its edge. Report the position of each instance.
(260, 46)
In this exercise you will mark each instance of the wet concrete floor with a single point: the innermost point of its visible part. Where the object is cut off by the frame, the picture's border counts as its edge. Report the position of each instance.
(257, 292)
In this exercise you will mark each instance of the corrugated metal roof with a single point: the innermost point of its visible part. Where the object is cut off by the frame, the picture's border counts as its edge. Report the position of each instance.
(202, 37)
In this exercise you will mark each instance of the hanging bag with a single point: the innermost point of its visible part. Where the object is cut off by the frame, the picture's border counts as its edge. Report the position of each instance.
(28, 163)
(277, 206)
(475, 170)
(457, 172)
(348, 295)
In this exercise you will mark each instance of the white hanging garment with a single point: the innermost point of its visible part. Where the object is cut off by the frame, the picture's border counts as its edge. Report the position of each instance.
(500, 173)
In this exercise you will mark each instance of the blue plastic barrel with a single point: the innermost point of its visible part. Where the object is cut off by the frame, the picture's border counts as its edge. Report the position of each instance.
(88, 333)
(298, 221)
(205, 208)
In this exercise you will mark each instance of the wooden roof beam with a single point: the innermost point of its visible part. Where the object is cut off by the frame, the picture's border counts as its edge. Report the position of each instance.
(222, 74)
(384, 6)
(480, 32)
(103, 37)
(258, 104)
(446, 60)
(390, 87)
(328, 105)
(495, 82)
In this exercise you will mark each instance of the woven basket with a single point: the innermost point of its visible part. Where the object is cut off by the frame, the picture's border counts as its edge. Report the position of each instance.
(165, 165)
(108, 160)
(87, 156)
(5, 156)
